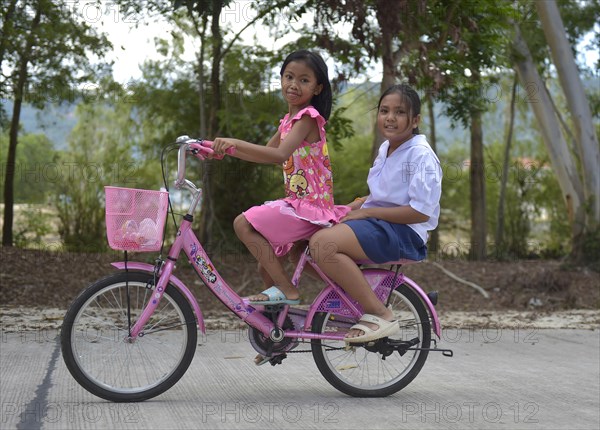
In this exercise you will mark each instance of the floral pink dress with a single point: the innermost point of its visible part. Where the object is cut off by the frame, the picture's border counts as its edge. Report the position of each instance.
(308, 205)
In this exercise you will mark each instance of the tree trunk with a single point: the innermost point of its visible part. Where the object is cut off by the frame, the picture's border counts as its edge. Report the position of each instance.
(207, 209)
(388, 80)
(560, 157)
(390, 60)
(434, 240)
(9, 181)
(505, 164)
(201, 86)
(579, 108)
(215, 76)
(477, 181)
(11, 156)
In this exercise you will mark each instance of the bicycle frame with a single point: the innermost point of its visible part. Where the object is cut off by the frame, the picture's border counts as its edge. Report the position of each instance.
(142, 336)
(187, 242)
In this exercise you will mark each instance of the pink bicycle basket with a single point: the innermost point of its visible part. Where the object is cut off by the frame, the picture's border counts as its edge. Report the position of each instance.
(135, 219)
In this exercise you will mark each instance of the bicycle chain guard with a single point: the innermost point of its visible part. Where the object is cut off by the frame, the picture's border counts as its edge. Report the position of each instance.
(265, 346)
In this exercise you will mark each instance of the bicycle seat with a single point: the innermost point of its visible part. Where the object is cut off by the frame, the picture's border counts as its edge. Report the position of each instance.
(401, 262)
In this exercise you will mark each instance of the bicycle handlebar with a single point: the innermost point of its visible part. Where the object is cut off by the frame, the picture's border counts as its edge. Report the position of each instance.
(203, 148)
(200, 148)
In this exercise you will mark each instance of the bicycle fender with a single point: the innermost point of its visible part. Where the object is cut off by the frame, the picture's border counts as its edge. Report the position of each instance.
(430, 307)
(145, 267)
(375, 276)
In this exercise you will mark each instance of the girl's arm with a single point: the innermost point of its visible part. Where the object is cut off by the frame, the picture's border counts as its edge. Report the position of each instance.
(396, 215)
(274, 141)
(272, 153)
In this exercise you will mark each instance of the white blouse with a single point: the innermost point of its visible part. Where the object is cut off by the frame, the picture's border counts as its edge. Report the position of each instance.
(410, 176)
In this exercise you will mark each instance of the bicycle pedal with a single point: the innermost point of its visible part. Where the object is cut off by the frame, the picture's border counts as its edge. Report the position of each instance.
(277, 359)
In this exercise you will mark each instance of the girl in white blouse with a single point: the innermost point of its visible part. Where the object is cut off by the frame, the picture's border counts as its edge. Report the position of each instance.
(392, 222)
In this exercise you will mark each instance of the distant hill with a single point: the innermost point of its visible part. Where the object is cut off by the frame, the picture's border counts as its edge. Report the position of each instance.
(55, 121)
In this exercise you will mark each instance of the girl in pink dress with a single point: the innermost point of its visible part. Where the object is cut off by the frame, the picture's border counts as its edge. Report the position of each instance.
(269, 231)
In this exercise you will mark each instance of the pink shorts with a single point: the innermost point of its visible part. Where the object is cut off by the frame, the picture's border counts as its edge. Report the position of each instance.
(280, 229)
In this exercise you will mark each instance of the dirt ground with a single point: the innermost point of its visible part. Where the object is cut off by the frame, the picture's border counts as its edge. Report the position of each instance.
(53, 279)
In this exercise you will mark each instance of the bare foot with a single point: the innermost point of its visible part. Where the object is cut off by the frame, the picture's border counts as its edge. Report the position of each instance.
(387, 315)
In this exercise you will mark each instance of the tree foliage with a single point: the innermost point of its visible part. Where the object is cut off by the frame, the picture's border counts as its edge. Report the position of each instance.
(456, 53)
(36, 169)
(571, 138)
(99, 154)
(44, 54)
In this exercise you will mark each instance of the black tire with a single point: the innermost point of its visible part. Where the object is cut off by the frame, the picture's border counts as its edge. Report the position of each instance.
(359, 372)
(95, 346)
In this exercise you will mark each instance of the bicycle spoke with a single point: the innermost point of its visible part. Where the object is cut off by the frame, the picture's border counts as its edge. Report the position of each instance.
(103, 352)
(366, 369)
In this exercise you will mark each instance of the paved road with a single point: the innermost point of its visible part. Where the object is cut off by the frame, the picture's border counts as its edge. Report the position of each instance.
(498, 379)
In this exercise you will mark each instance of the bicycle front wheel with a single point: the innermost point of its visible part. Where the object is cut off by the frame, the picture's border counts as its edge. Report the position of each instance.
(97, 348)
(364, 371)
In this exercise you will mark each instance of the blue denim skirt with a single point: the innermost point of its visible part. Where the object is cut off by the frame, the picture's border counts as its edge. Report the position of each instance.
(383, 241)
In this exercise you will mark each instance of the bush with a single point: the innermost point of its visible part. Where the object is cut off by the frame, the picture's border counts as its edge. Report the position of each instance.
(32, 227)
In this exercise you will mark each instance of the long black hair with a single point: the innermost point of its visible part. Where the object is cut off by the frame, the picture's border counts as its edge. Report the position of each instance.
(409, 97)
(322, 101)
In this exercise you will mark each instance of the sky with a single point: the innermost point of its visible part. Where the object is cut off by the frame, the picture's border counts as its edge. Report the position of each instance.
(133, 45)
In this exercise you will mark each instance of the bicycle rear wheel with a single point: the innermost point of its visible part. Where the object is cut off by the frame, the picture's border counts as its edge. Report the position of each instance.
(364, 371)
(95, 338)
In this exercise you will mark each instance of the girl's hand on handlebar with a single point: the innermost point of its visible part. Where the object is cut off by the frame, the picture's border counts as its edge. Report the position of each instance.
(223, 146)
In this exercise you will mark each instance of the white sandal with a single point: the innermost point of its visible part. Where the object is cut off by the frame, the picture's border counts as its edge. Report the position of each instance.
(384, 329)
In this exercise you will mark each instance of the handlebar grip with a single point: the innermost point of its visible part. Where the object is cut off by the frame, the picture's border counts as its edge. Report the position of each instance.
(209, 144)
(202, 148)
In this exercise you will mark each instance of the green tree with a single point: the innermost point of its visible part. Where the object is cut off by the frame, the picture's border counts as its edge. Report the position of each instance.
(36, 170)
(100, 153)
(443, 46)
(45, 49)
(499, 235)
(248, 111)
(350, 159)
(481, 27)
(571, 140)
(232, 89)
(202, 19)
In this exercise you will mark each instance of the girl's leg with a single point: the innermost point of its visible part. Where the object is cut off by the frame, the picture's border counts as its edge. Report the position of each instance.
(294, 256)
(264, 275)
(261, 249)
(334, 250)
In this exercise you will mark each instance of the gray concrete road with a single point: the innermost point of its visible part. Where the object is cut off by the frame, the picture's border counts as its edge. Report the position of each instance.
(498, 379)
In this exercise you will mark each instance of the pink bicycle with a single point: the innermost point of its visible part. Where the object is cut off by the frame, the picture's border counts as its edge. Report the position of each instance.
(132, 335)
